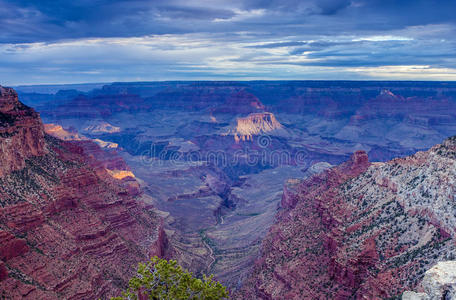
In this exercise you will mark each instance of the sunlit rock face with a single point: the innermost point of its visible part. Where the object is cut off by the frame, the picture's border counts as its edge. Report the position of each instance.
(361, 230)
(255, 124)
(68, 230)
(59, 132)
(113, 163)
(100, 128)
(107, 145)
(121, 174)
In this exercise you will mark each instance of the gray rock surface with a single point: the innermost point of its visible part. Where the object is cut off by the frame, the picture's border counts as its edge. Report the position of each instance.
(439, 282)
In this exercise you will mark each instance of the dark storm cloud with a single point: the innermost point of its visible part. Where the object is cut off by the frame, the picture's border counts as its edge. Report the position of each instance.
(27, 21)
(47, 20)
(180, 36)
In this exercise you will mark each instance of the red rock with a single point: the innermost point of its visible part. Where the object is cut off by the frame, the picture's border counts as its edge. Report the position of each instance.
(10, 246)
(21, 132)
(346, 234)
(68, 229)
(21, 217)
(3, 271)
(161, 243)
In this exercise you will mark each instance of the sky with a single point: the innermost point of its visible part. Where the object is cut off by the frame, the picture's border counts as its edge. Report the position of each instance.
(54, 41)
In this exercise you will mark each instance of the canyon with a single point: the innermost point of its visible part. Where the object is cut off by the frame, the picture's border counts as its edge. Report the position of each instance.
(282, 190)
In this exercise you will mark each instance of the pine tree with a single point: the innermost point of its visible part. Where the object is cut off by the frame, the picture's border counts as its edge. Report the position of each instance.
(160, 279)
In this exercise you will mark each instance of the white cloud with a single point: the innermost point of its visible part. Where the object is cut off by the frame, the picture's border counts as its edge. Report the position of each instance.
(382, 38)
(196, 56)
(241, 15)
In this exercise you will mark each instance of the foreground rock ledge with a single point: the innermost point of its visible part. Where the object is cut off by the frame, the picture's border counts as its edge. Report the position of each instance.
(438, 283)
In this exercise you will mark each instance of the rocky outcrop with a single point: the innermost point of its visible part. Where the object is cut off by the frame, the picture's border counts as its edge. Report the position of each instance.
(255, 124)
(360, 230)
(21, 132)
(71, 134)
(68, 230)
(439, 282)
(101, 127)
(59, 132)
(107, 160)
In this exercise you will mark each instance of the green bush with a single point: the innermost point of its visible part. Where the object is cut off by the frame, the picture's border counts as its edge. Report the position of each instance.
(162, 279)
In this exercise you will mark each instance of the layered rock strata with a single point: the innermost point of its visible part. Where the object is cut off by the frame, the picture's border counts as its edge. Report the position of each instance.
(68, 230)
(361, 230)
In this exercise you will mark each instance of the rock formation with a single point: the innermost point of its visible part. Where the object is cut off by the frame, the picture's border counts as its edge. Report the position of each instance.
(439, 282)
(68, 230)
(255, 124)
(113, 163)
(101, 127)
(59, 132)
(21, 132)
(241, 102)
(361, 230)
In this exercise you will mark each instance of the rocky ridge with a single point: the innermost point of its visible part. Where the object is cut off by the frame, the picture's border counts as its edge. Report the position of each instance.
(68, 230)
(361, 229)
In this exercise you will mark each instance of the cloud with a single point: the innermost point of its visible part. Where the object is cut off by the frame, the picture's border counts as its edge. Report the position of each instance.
(332, 7)
(130, 39)
(48, 20)
(176, 12)
(278, 45)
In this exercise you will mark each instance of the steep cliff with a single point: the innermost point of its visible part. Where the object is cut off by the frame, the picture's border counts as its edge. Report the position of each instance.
(21, 132)
(361, 229)
(68, 230)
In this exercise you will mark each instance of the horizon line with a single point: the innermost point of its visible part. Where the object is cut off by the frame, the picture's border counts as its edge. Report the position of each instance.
(221, 81)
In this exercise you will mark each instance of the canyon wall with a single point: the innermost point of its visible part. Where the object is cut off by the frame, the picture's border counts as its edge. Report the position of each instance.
(68, 229)
(21, 132)
(361, 230)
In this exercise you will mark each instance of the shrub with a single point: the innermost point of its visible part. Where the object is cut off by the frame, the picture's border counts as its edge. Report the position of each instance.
(162, 279)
